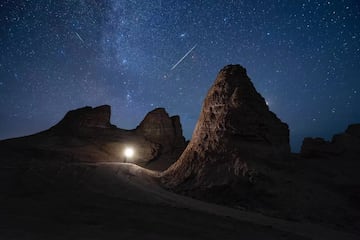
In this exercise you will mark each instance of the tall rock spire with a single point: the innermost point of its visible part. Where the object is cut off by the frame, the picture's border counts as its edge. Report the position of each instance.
(236, 133)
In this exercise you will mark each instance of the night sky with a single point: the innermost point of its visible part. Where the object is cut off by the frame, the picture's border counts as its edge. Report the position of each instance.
(58, 55)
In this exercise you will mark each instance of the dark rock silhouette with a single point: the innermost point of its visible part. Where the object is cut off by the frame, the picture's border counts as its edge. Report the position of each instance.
(347, 143)
(353, 130)
(349, 140)
(86, 117)
(235, 133)
(319, 147)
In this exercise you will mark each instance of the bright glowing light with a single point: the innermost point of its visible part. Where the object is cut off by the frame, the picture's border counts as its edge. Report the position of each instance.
(129, 152)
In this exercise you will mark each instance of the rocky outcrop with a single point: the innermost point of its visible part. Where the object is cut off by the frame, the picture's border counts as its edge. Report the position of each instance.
(86, 134)
(86, 117)
(235, 136)
(347, 143)
(349, 140)
(159, 128)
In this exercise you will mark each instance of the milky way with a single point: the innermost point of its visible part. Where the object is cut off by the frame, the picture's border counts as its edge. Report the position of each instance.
(57, 55)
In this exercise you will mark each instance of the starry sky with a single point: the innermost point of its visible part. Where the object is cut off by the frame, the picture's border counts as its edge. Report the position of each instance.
(303, 56)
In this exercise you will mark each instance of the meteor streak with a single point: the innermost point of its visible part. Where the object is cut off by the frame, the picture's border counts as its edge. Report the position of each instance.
(78, 35)
(182, 59)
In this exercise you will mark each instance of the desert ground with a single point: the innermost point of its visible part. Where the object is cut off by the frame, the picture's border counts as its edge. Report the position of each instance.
(57, 200)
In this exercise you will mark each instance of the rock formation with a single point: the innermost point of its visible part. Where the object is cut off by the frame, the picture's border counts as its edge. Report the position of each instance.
(86, 117)
(318, 147)
(349, 140)
(158, 127)
(86, 135)
(239, 156)
(347, 143)
(235, 136)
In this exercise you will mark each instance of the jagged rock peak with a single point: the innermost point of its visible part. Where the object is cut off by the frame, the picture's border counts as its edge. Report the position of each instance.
(159, 127)
(235, 129)
(86, 117)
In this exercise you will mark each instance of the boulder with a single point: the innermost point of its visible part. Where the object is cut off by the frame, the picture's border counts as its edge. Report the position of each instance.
(235, 135)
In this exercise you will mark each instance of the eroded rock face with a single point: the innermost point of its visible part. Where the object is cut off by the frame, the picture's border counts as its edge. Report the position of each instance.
(158, 140)
(235, 133)
(158, 127)
(86, 117)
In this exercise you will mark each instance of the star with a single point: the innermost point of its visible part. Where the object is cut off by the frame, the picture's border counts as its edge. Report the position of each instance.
(62, 55)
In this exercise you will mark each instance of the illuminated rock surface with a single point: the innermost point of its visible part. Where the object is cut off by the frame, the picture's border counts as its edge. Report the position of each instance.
(236, 132)
(240, 156)
(158, 127)
(71, 182)
(86, 135)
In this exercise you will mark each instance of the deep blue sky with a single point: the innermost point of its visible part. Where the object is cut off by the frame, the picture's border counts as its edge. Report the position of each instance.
(55, 55)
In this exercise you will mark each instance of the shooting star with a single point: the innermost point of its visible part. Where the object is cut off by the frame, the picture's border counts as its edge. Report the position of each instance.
(182, 59)
(78, 35)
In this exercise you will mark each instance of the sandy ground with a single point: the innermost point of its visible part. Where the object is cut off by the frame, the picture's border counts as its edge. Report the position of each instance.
(123, 201)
